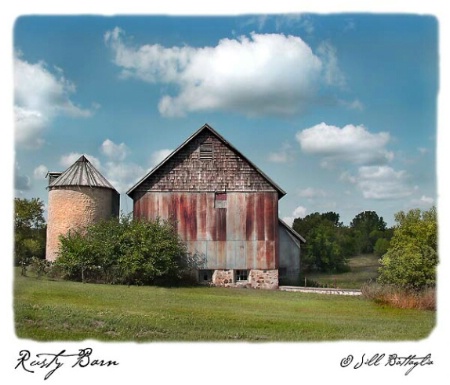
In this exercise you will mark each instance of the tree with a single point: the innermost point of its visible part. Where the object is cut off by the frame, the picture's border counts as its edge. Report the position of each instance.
(367, 227)
(412, 256)
(29, 230)
(328, 245)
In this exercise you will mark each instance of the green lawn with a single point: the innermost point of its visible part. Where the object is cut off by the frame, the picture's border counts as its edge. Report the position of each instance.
(56, 310)
(363, 267)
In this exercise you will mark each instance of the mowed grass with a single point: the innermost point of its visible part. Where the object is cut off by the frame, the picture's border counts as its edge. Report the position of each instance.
(363, 268)
(57, 310)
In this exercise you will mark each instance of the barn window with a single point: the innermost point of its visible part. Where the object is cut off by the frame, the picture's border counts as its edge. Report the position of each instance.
(241, 275)
(206, 151)
(205, 275)
(220, 200)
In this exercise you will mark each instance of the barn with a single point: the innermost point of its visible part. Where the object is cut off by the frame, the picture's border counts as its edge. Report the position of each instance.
(225, 209)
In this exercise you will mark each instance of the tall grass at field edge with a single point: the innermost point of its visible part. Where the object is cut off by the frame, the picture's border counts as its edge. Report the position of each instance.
(400, 298)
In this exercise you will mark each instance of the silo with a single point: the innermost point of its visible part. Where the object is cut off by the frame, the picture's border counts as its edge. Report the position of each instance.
(78, 197)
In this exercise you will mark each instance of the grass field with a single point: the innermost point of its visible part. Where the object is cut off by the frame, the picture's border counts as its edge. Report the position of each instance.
(48, 310)
(363, 268)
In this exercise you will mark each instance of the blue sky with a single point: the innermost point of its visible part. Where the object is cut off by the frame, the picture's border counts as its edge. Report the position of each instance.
(339, 109)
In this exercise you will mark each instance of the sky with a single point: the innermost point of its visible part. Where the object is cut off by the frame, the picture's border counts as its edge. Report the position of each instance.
(340, 110)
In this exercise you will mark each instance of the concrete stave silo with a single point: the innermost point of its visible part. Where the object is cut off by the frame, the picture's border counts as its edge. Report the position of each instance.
(78, 197)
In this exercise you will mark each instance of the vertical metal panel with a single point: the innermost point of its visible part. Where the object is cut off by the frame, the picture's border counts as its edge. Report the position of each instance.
(221, 224)
(259, 217)
(201, 216)
(243, 235)
(221, 254)
(210, 218)
(250, 217)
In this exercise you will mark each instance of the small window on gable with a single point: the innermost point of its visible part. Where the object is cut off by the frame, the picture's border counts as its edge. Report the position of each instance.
(206, 151)
(220, 200)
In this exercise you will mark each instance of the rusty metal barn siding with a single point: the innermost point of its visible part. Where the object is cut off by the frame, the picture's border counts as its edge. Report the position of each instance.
(244, 235)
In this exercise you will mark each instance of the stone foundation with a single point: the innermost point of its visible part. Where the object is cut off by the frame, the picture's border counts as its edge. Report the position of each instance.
(223, 278)
(257, 279)
(263, 279)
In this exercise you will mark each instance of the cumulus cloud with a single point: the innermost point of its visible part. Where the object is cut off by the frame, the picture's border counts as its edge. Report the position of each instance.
(380, 182)
(123, 175)
(21, 182)
(263, 74)
(299, 212)
(423, 201)
(285, 155)
(311, 193)
(332, 74)
(40, 172)
(40, 96)
(158, 156)
(354, 144)
(114, 151)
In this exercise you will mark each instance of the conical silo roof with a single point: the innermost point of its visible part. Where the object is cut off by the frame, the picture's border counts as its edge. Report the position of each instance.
(82, 173)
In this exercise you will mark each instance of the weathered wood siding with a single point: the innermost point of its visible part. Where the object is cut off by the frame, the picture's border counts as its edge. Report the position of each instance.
(244, 235)
(187, 171)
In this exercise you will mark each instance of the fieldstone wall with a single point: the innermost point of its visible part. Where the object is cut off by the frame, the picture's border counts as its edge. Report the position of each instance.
(257, 279)
(75, 208)
(263, 279)
(223, 278)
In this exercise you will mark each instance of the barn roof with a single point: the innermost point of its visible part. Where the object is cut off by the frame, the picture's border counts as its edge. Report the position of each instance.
(292, 231)
(280, 191)
(81, 173)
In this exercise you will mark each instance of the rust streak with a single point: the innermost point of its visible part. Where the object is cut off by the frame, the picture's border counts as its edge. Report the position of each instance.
(259, 217)
(249, 220)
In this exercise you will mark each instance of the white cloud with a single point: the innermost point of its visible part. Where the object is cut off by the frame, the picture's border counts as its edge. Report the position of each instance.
(423, 201)
(354, 144)
(21, 182)
(333, 75)
(40, 96)
(40, 172)
(123, 175)
(285, 155)
(158, 156)
(263, 74)
(380, 182)
(352, 105)
(114, 151)
(299, 212)
(311, 192)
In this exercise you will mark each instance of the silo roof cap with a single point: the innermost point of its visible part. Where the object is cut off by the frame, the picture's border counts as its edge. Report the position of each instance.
(82, 173)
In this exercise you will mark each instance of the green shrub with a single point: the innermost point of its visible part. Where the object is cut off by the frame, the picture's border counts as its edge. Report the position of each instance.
(412, 257)
(125, 251)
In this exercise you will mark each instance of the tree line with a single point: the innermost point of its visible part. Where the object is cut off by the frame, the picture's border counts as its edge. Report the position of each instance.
(408, 251)
(329, 243)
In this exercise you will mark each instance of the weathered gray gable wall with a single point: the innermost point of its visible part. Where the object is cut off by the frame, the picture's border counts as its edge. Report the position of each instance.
(185, 171)
(289, 254)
